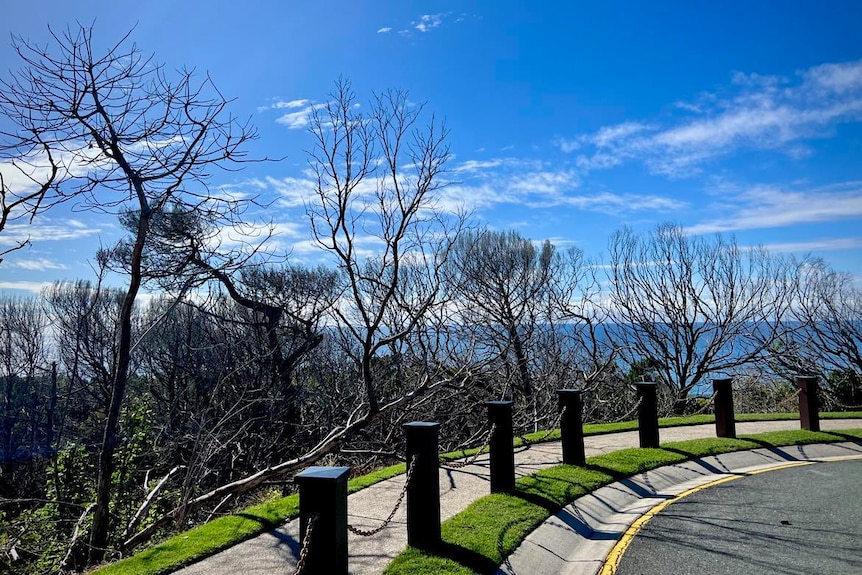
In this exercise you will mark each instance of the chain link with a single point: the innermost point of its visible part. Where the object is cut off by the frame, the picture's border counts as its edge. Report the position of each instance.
(710, 401)
(472, 459)
(550, 431)
(368, 533)
(306, 543)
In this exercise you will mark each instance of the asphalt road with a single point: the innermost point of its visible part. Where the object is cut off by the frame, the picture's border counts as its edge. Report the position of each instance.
(801, 520)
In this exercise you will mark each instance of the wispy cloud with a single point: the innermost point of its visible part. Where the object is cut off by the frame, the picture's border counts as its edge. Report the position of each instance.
(39, 264)
(279, 104)
(427, 22)
(424, 23)
(44, 230)
(477, 165)
(769, 206)
(28, 286)
(298, 115)
(753, 112)
(537, 184)
(819, 245)
(299, 119)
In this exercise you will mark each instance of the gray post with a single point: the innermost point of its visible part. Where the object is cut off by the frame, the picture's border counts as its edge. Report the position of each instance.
(647, 414)
(572, 426)
(809, 402)
(423, 491)
(501, 446)
(725, 424)
(323, 493)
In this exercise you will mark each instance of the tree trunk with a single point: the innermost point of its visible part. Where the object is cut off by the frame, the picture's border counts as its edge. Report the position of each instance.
(101, 513)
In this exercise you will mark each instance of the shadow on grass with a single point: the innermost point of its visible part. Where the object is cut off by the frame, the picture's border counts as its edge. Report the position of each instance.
(696, 459)
(466, 557)
(548, 504)
(847, 437)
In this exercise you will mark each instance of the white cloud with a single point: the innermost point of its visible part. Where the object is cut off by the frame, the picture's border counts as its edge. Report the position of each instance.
(821, 245)
(296, 120)
(762, 113)
(771, 207)
(40, 264)
(293, 192)
(279, 104)
(29, 286)
(477, 165)
(291, 104)
(536, 184)
(429, 21)
(384, 30)
(44, 230)
(609, 135)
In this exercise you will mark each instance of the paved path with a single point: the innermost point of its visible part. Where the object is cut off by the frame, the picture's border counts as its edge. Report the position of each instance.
(276, 552)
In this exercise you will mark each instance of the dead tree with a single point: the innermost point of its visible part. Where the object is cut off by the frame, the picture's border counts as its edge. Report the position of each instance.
(136, 138)
(692, 305)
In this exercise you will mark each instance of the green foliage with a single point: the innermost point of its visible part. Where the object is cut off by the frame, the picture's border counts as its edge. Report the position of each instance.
(845, 386)
(72, 475)
(133, 454)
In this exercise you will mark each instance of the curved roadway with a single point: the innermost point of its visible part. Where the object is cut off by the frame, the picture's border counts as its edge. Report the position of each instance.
(796, 520)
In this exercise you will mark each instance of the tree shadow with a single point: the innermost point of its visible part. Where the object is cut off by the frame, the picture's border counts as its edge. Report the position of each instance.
(466, 557)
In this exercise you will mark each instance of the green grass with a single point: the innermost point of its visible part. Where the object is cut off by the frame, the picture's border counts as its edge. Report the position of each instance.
(479, 538)
(224, 532)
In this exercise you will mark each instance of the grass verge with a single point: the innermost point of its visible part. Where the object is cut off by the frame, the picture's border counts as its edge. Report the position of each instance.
(224, 532)
(479, 538)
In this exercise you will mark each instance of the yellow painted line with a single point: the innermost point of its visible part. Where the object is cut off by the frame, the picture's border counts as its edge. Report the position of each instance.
(612, 561)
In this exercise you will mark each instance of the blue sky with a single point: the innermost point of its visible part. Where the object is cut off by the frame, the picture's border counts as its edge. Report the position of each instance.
(568, 120)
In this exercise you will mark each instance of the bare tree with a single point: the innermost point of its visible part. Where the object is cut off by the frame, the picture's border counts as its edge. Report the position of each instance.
(375, 214)
(823, 331)
(138, 139)
(23, 363)
(692, 305)
(36, 171)
(502, 283)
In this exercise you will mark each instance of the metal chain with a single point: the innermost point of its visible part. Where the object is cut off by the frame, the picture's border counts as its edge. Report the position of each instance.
(472, 459)
(368, 533)
(548, 433)
(709, 403)
(837, 402)
(306, 543)
(628, 415)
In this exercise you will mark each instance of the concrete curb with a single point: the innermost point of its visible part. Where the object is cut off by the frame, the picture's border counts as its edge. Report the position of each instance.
(578, 538)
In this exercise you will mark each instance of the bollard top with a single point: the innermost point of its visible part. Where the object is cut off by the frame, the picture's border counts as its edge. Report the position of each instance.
(421, 424)
(722, 382)
(646, 383)
(499, 404)
(569, 391)
(321, 473)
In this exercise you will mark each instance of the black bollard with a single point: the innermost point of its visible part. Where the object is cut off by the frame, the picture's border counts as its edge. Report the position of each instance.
(423, 490)
(323, 495)
(809, 402)
(725, 424)
(647, 414)
(572, 426)
(501, 446)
